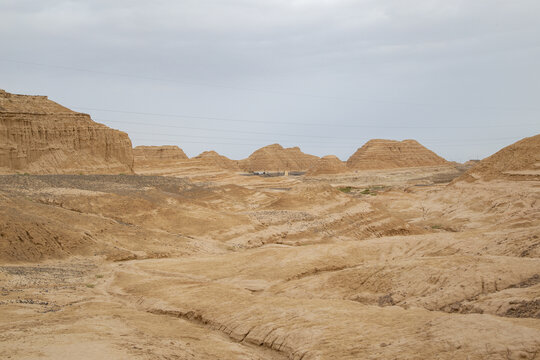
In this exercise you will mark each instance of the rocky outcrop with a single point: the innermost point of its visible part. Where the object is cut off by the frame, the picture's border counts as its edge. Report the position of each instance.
(40, 136)
(388, 154)
(276, 158)
(519, 161)
(329, 164)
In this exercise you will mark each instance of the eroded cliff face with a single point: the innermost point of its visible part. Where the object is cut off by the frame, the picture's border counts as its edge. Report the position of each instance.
(40, 136)
(276, 158)
(388, 154)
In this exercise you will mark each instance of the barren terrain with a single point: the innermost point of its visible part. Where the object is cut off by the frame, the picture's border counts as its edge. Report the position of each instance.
(151, 267)
(398, 254)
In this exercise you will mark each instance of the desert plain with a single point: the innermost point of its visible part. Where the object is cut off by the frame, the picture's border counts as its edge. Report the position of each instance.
(109, 252)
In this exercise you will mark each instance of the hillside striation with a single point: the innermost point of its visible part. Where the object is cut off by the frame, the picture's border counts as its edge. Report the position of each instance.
(389, 154)
(277, 158)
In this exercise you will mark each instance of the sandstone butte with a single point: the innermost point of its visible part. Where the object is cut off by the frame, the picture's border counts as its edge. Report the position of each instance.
(388, 154)
(329, 164)
(277, 158)
(519, 161)
(40, 136)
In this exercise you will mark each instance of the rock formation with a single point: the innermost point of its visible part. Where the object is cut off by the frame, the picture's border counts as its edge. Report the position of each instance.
(276, 158)
(213, 159)
(471, 163)
(151, 154)
(519, 161)
(388, 154)
(40, 136)
(329, 164)
(172, 161)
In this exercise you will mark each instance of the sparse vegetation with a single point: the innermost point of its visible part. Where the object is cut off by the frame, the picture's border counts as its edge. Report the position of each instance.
(346, 189)
(91, 286)
(372, 190)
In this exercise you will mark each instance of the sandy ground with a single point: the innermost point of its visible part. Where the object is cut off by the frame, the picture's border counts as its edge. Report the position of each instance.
(373, 265)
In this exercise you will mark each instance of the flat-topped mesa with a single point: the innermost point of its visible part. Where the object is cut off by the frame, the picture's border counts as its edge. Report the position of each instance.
(158, 154)
(329, 164)
(389, 154)
(519, 161)
(213, 159)
(40, 136)
(276, 158)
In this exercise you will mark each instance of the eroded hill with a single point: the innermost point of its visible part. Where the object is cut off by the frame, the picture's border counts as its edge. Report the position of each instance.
(40, 136)
(274, 158)
(388, 154)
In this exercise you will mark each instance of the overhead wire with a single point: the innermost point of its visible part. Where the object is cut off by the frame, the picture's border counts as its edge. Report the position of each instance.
(439, 142)
(278, 92)
(296, 136)
(333, 125)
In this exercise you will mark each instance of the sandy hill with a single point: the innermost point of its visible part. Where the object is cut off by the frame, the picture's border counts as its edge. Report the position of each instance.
(171, 161)
(213, 159)
(329, 164)
(38, 135)
(158, 153)
(388, 154)
(471, 163)
(277, 158)
(520, 160)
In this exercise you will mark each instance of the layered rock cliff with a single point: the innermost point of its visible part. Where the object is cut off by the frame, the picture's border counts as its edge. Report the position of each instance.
(277, 158)
(329, 164)
(388, 154)
(40, 136)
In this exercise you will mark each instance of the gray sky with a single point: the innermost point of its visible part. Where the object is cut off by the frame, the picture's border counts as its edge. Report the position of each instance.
(461, 77)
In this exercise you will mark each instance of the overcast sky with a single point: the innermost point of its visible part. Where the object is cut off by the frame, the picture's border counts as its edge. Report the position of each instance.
(461, 77)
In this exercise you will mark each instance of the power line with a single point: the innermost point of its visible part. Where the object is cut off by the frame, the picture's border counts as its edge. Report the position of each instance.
(181, 116)
(272, 134)
(228, 138)
(230, 131)
(180, 142)
(277, 92)
(180, 139)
